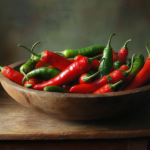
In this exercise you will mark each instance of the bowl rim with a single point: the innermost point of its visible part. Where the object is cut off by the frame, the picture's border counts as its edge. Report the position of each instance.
(76, 95)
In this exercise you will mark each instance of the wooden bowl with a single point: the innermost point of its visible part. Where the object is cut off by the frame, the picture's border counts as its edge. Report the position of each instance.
(78, 106)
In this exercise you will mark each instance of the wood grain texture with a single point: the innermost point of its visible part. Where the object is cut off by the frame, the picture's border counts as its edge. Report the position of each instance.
(74, 106)
(20, 123)
(119, 144)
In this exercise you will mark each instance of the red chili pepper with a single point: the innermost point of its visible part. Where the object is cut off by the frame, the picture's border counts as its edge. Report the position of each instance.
(51, 66)
(67, 87)
(129, 78)
(123, 53)
(39, 64)
(78, 57)
(124, 67)
(115, 56)
(51, 58)
(94, 65)
(112, 69)
(143, 75)
(72, 72)
(84, 76)
(107, 88)
(32, 82)
(112, 78)
(12, 74)
(71, 60)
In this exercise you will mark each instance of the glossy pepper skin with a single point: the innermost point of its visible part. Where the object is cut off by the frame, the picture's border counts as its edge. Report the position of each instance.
(112, 78)
(137, 65)
(31, 82)
(107, 62)
(123, 52)
(51, 58)
(39, 64)
(83, 77)
(86, 78)
(88, 51)
(115, 56)
(27, 67)
(129, 78)
(143, 75)
(94, 65)
(72, 72)
(53, 88)
(107, 88)
(12, 74)
(44, 73)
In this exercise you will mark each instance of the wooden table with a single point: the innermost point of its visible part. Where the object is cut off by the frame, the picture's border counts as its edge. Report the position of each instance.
(25, 129)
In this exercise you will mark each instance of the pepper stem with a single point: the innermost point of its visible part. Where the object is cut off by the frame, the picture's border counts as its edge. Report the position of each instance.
(93, 75)
(125, 44)
(147, 49)
(89, 77)
(113, 86)
(108, 44)
(128, 71)
(1, 68)
(91, 59)
(60, 52)
(35, 45)
(29, 50)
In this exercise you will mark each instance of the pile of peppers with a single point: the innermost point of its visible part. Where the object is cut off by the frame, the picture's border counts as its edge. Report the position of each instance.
(95, 69)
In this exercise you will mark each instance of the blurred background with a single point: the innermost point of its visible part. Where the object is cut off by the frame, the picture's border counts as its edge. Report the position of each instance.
(71, 24)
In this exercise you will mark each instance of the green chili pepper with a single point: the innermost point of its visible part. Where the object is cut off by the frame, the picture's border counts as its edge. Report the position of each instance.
(29, 65)
(55, 89)
(128, 62)
(44, 73)
(117, 64)
(88, 51)
(137, 65)
(107, 62)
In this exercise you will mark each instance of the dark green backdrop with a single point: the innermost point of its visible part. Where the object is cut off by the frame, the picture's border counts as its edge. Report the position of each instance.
(71, 24)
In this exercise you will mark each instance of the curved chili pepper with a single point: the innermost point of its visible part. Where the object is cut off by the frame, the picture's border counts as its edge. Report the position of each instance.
(72, 72)
(44, 73)
(117, 65)
(51, 58)
(112, 78)
(53, 88)
(123, 53)
(107, 62)
(29, 65)
(39, 64)
(88, 51)
(108, 88)
(31, 82)
(12, 74)
(137, 65)
(143, 75)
